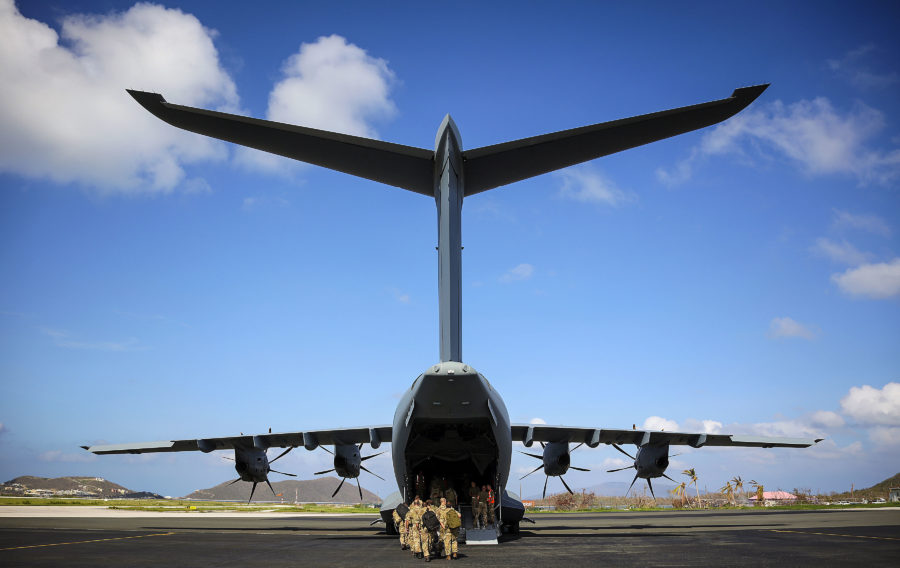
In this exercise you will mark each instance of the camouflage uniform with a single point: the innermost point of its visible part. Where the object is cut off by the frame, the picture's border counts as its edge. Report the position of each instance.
(481, 508)
(413, 524)
(448, 536)
(400, 525)
(425, 536)
(450, 495)
(473, 495)
(491, 505)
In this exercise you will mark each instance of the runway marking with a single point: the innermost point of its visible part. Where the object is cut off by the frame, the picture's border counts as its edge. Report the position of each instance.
(85, 541)
(837, 534)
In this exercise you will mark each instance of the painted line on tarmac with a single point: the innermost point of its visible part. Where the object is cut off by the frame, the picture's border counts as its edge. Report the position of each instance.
(836, 534)
(85, 541)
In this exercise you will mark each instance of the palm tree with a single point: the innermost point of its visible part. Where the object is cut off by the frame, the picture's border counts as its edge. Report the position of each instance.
(758, 487)
(728, 490)
(679, 492)
(693, 475)
(739, 486)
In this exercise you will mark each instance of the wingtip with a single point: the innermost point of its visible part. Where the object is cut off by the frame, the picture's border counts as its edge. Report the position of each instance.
(750, 94)
(146, 99)
(86, 448)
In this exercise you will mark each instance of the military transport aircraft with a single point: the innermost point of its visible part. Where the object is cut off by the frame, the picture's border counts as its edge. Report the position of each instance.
(451, 422)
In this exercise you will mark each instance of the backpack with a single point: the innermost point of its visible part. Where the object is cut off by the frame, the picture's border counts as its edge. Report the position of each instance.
(453, 519)
(431, 521)
(402, 510)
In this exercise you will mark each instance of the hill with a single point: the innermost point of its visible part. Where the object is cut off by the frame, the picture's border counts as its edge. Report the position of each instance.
(871, 493)
(71, 486)
(309, 490)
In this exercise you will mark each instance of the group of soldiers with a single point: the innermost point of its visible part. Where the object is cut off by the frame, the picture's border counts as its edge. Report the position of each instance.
(424, 542)
(483, 504)
(415, 535)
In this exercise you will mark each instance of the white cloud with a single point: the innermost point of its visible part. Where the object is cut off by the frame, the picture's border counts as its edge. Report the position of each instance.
(330, 85)
(826, 419)
(829, 450)
(842, 252)
(704, 426)
(584, 184)
(660, 423)
(517, 273)
(853, 69)
(811, 134)
(65, 114)
(878, 280)
(869, 405)
(400, 296)
(537, 421)
(67, 457)
(869, 223)
(885, 435)
(615, 463)
(787, 327)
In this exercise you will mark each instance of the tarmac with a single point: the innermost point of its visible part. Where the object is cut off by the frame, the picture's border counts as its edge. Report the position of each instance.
(97, 537)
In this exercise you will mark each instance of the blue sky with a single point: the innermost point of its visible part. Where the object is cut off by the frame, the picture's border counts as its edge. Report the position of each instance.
(740, 279)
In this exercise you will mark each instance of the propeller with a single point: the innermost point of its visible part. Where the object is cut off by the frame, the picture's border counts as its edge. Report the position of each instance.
(265, 475)
(344, 478)
(638, 473)
(547, 477)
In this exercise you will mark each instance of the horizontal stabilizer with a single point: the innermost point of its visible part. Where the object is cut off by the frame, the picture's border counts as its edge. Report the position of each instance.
(492, 166)
(394, 164)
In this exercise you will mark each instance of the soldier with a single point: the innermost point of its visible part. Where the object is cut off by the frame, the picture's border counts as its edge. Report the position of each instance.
(400, 526)
(450, 494)
(490, 504)
(473, 495)
(481, 506)
(449, 535)
(425, 536)
(413, 524)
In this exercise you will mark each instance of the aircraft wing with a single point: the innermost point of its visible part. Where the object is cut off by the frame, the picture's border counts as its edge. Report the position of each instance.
(529, 433)
(311, 439)
(394, 164)
(492, 166)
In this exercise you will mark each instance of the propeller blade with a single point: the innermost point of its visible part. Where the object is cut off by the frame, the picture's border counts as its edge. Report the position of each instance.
(233, 482)
(282, 472)
(546, 479)
(270, 487)
(532, 471)
(226, 458)
(372, 472)
(650, 485)
(632, 484)
(251, 492)
(579, 468)
(282, 454)
(566, 485)
(341, 484)
(623, 451)
(536, 456)
(359, 447)
(542, 444)
(372, 456)
(576, 447)
(669, 478)
(327, 450)
(358, 486)
(321, 472)
(620, 469)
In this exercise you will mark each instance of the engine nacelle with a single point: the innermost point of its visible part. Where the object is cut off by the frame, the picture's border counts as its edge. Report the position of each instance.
(251, 464)
(347, 460)
(556, 458)
(651, 461)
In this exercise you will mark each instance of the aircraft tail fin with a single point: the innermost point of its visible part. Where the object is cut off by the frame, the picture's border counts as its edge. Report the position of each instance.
(492, 166)
(394, 164)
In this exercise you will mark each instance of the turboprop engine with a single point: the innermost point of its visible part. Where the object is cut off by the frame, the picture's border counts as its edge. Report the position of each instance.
(649, 462)
(252, 464)
(556, 462)
(348, 464)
